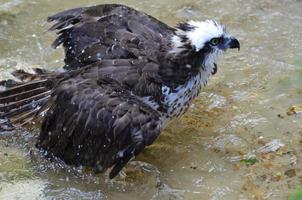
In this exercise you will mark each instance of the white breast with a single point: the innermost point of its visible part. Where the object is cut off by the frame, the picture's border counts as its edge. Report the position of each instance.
(179, 100)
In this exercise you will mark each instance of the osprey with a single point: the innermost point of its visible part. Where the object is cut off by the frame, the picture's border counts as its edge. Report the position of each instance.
(126, 76)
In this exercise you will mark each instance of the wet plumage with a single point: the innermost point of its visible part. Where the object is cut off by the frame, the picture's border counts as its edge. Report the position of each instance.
(126, 76)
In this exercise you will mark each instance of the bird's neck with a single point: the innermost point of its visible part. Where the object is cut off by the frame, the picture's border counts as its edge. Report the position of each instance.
(179, 68)
(177, 100)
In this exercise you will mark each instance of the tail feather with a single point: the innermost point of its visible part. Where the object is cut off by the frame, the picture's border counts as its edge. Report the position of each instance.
(26, 114)
(24, 117)
(14, 98)
(23, 110)
(6, 108)
(22, 101)
(20, 88)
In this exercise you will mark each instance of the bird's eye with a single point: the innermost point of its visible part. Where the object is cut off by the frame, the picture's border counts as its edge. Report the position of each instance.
(215, 41)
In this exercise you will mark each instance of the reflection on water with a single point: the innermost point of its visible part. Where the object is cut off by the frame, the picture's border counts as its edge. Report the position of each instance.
(204, 155)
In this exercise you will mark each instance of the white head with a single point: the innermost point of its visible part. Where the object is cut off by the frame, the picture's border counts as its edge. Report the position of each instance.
(203, 32)
(207, 39)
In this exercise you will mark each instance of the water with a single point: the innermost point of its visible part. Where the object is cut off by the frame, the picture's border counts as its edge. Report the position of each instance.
(212, 151)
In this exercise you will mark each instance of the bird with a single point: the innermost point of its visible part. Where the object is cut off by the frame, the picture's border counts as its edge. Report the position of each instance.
(126, 76)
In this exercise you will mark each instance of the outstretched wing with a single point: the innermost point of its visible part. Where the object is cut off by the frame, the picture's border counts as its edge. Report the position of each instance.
(108, 31)
(97, 123)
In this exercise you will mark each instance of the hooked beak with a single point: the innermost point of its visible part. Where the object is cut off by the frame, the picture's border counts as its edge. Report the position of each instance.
(233, 43)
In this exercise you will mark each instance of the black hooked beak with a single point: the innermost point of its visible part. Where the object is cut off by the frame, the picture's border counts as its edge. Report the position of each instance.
(233, 43)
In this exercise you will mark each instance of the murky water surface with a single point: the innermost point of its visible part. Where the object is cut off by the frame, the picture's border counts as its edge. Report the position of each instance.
(236, 142)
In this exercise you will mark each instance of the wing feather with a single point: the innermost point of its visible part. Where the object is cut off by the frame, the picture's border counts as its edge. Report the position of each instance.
(97, 123)
(108, 31)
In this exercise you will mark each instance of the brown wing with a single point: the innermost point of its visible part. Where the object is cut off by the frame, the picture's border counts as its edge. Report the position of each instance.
(97, 123)
(108, 31)
(19, 103)
(141, 77)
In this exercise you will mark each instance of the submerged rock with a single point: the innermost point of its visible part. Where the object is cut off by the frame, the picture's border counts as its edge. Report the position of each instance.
(295, 110)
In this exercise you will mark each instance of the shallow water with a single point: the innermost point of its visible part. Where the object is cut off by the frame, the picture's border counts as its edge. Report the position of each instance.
(216, 150)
